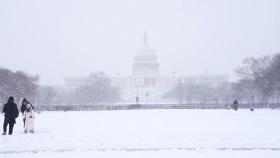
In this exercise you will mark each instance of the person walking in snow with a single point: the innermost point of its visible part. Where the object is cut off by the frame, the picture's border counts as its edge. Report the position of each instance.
(235, 105)
(28, 116)
(23, 108)
(11, 113)
(252, 107)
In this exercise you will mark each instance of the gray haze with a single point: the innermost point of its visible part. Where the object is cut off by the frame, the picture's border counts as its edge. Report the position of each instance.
(57, 38)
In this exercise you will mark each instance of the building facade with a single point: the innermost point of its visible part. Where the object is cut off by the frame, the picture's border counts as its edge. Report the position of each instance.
(146, 84)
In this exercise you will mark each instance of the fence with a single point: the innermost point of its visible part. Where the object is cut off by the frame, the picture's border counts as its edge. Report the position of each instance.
(100, 107)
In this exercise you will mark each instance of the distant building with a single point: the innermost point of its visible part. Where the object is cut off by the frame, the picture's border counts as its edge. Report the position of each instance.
(146, 82)
(145, 61)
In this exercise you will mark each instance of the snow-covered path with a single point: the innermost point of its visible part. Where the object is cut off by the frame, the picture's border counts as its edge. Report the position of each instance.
(148, 133)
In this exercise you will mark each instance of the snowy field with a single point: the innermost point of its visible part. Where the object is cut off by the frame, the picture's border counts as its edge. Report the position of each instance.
(147, 133)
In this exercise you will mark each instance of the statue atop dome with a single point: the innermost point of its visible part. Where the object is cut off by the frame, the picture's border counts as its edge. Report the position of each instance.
(145, 37)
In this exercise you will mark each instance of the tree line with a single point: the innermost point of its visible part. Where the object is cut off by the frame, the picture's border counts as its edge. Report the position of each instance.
(258, 82)
(259, 79)
(18, 84)
(96, 89)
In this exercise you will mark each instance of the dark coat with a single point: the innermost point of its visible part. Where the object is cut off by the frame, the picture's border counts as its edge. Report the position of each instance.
(235, 105)
(11, 112)
(235, 102)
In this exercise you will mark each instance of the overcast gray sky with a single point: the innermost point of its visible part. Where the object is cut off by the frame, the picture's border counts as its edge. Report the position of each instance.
(57, 38)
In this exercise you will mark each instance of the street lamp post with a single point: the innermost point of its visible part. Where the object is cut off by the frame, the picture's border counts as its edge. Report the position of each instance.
(277, 97)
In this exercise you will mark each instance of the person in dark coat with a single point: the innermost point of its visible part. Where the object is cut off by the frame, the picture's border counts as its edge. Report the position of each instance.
(23, 108)
(235, 105)
(11, 113)
(252, 107)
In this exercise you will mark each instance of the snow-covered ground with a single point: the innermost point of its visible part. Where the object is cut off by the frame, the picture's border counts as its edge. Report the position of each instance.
(147, 133)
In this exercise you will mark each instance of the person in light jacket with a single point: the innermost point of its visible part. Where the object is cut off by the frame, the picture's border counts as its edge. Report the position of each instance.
(29, 116)
(23, 107)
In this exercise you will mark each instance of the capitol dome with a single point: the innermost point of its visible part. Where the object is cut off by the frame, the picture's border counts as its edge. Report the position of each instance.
(145, 60)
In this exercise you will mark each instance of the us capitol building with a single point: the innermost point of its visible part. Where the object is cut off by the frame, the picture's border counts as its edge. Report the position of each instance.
(146, 83)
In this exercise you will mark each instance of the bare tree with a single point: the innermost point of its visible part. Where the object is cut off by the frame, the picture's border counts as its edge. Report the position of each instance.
(255, 72)
(260, 78)
(199, 92)
(47, 94)
(97, 89)
(18, 84)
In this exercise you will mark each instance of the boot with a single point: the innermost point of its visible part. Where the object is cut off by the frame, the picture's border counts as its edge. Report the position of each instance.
(4, 133)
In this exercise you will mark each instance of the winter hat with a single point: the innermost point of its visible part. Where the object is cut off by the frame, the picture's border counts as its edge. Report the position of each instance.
(24, 100)
(11, 99)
